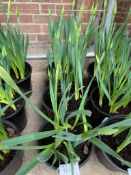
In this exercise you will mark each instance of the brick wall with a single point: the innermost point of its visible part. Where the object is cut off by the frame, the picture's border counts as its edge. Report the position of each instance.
(34, 17)
(123, 9)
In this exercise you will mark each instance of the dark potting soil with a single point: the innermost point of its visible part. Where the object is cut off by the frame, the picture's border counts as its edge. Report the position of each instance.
(81, 150)
(106, 108)
(7, 157)
(86, 82)
(114, 142)
(72, 106)
(17, 80)
(121, 110)
(126, 110)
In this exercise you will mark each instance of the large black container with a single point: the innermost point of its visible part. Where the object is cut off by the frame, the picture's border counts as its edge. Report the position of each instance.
(46, 104)
(98, 115)
(19, 117)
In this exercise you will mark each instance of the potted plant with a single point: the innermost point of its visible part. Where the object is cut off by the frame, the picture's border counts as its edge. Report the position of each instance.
(14, 47)
(111, 71)
(61, 132)
(16, 111)
(105, 34)
(61, 123)
(74, 123)
(113, 75)
(10, 160)
(68, 54)
(119, 142)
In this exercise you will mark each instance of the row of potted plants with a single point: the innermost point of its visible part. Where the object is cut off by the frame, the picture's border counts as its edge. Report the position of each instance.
(73, 126)
(63, 140)
(111, 94)
(13, 53)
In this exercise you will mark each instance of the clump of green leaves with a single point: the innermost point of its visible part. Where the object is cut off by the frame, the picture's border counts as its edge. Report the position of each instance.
(69, 46)
(6, 92)
(112, 65)
(6, 96)
(14, 45)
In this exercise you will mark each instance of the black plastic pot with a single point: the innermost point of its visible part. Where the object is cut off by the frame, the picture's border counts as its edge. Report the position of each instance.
(16, 162)
(25, 84)
(91, 148)
(89, 156)
(98, 115)
(90, 72)
(103, 157)
(19, 117)
(44, 104)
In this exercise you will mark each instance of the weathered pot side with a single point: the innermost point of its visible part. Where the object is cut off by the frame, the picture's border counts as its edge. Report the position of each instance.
(19, 117)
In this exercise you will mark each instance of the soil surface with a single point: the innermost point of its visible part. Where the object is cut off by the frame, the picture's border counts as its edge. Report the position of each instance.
(81, 150)
(17, 80)
(7, 157)
(106, 108)
(72, 105)
(114, 142)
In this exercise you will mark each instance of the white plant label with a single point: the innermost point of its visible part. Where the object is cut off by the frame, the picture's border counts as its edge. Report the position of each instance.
(66, 169)
(129, 171)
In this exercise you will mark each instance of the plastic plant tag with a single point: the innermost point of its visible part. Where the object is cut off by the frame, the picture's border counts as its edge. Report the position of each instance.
(65, 169)
(129, 171)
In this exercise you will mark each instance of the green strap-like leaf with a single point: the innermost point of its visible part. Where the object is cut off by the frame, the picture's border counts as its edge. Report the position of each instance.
(101, 145)
(29, 138)
(27, 166)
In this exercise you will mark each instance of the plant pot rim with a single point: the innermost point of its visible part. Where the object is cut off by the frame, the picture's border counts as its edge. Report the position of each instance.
(105, 154)
(16, 151)
(15, 112)
(28, 76)
(48, 108)
(81, 164)
(46, 90)
(98, 109)
(113, 164)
